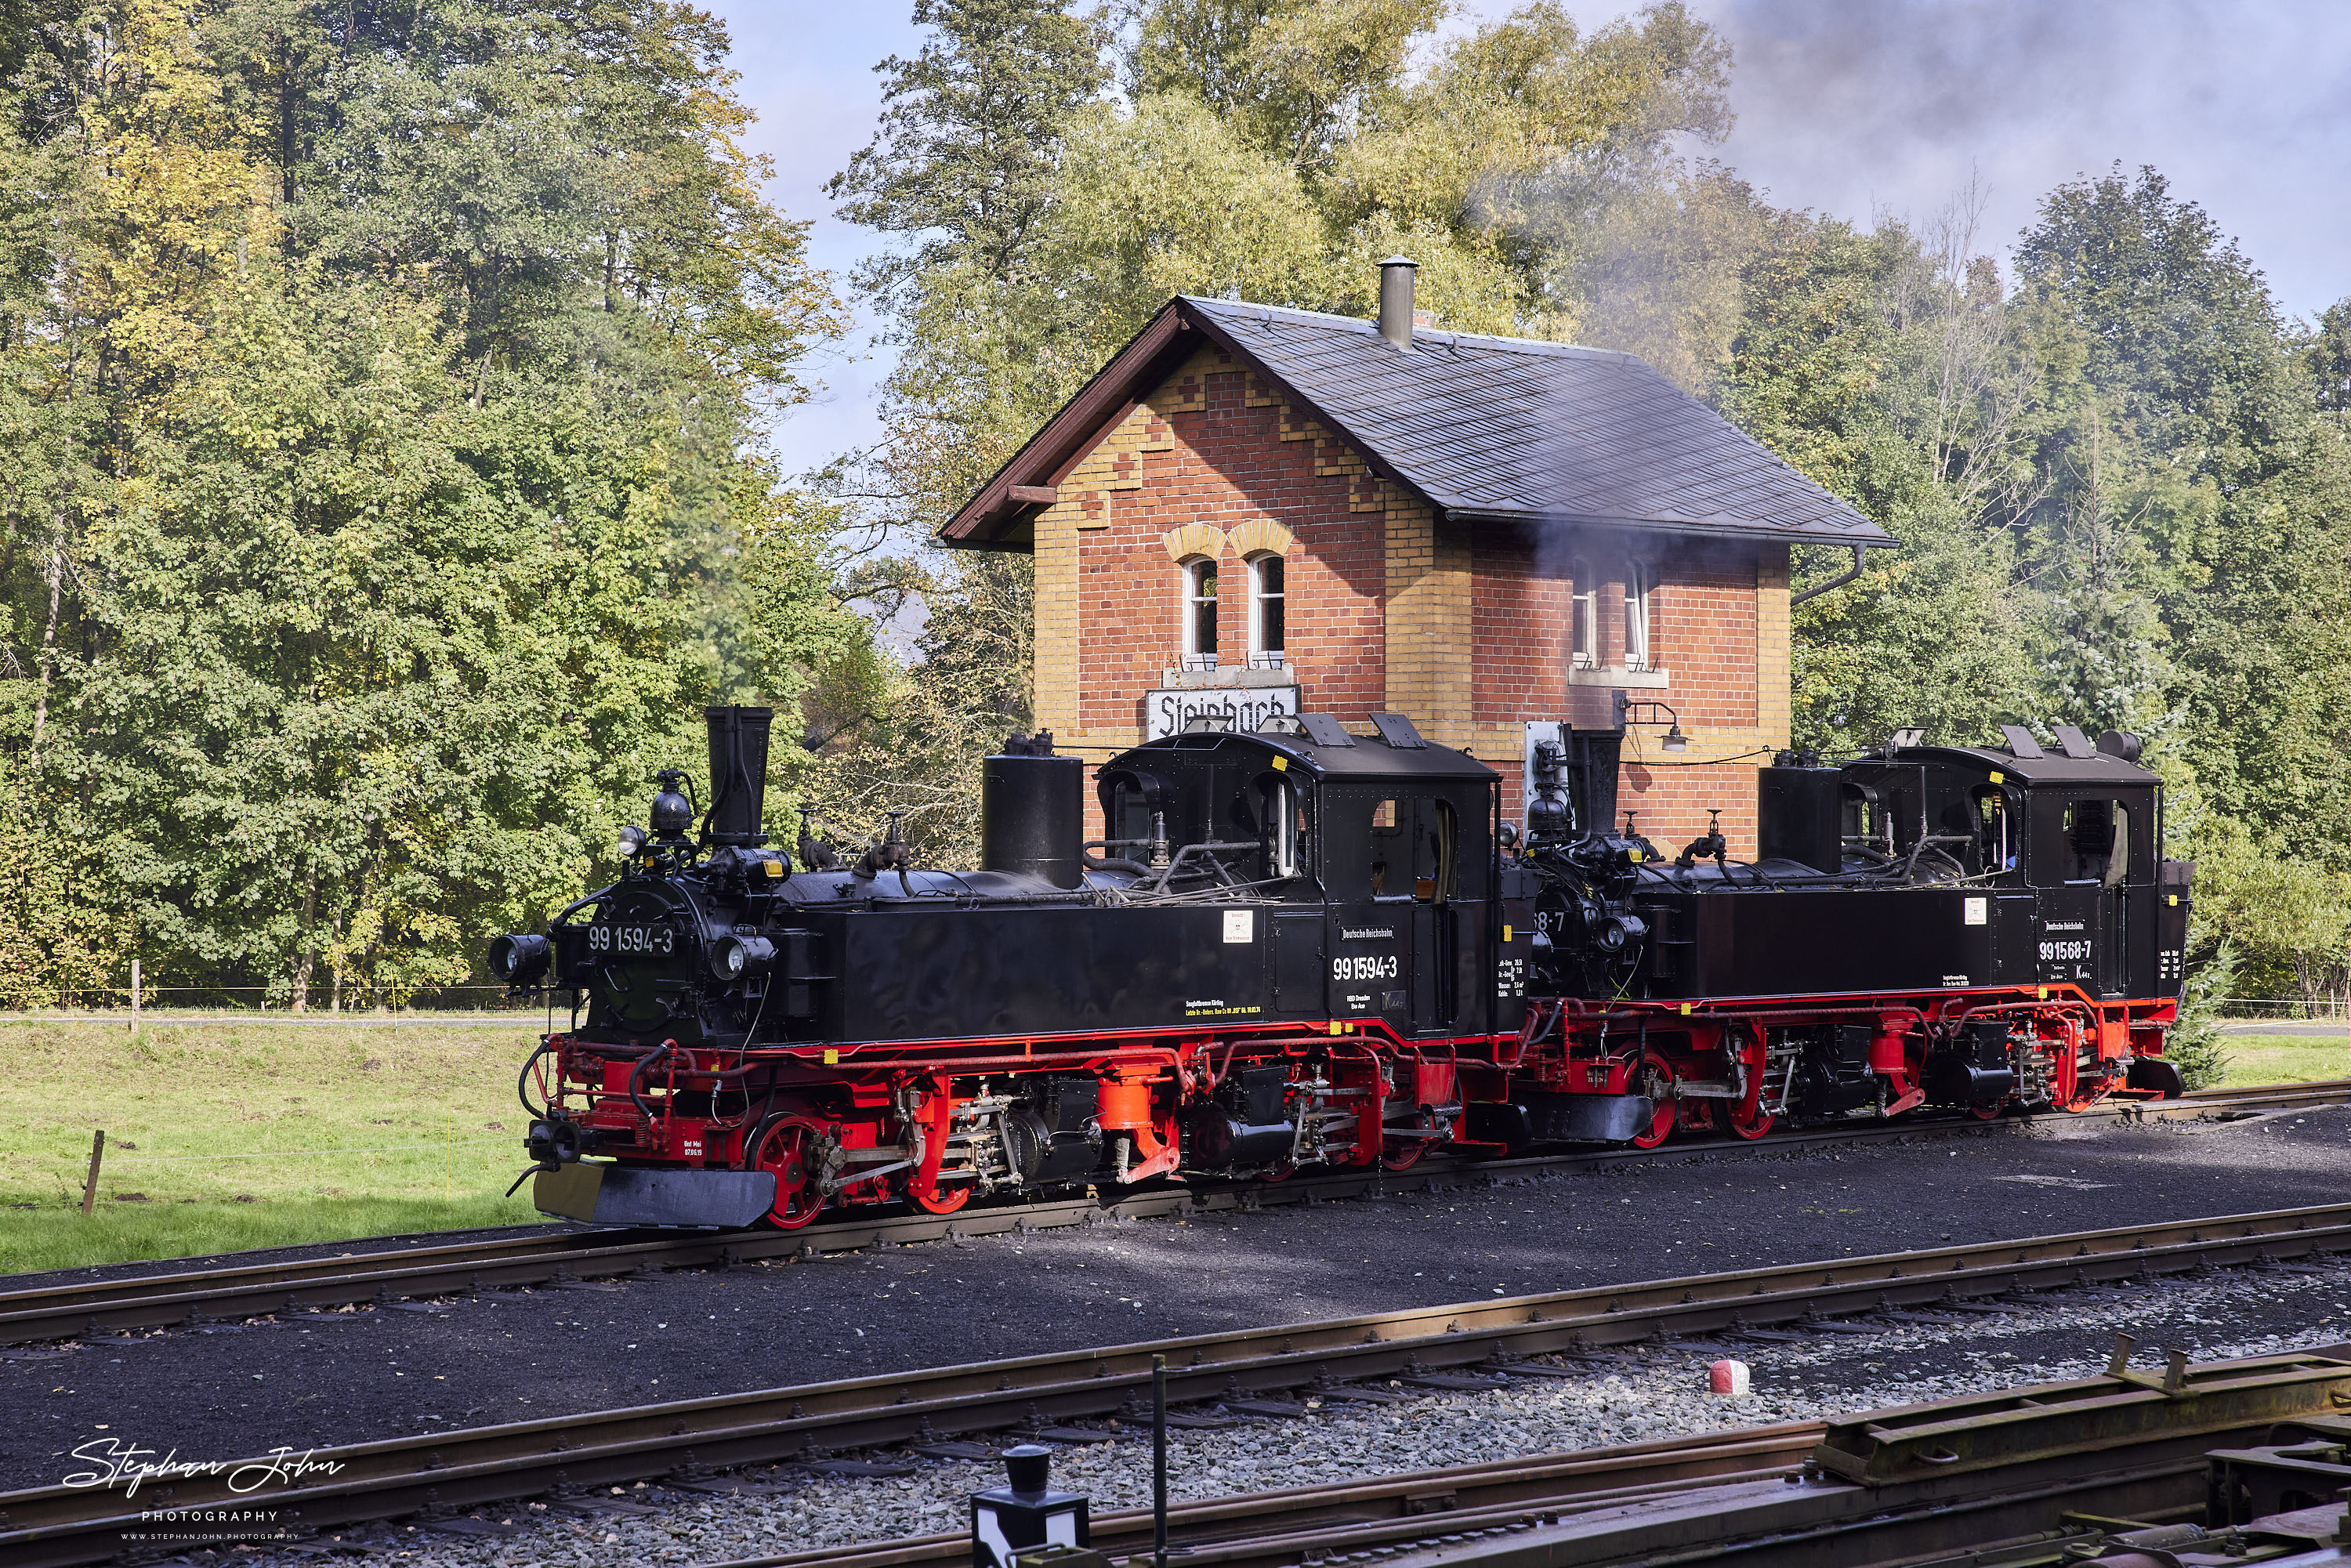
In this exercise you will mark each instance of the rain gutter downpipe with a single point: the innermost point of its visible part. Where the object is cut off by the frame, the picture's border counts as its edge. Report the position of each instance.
(1839, 580)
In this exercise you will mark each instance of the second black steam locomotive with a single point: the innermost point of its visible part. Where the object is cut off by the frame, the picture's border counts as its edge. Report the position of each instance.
(1311, 945)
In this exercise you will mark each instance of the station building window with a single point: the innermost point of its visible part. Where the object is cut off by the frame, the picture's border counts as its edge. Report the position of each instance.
(1583, 623)
(1640, 603)
(1268, 610)
(1200, 613)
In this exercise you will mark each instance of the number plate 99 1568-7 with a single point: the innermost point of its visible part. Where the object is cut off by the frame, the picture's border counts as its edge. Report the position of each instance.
(632, 939)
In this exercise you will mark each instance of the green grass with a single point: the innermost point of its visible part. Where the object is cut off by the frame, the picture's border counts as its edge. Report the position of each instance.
(2285, 1058)
(359, 1132)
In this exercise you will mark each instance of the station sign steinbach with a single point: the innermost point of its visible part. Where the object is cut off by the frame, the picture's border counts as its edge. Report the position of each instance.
(1237, 708)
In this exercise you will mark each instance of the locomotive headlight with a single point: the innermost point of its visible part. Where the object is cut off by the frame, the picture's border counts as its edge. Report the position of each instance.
(1617, 932)
(732, 957)
(516, 959)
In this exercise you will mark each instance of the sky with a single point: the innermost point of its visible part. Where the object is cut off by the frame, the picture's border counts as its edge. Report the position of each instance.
(1849, 108)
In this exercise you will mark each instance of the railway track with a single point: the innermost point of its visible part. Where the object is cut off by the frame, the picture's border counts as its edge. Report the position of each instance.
(465, 1266)
(1281, 1526)
(1881, 1489)
(1259, 1372)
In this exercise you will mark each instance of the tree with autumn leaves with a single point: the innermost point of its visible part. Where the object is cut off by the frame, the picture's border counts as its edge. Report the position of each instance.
(382, 385)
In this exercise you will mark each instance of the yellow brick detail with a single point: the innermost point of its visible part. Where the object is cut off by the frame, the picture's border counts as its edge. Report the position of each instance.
(1775, 676)
(1335, 458)
(1194, 540)
(1057, 616)
(1429, 645)
(1261, 535)
(1151, 431)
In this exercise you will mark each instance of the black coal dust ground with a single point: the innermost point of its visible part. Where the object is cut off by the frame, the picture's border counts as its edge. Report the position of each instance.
(389, 1373)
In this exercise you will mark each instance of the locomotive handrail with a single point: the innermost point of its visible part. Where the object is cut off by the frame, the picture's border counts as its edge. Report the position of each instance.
(637, 1074)
(522, 1081)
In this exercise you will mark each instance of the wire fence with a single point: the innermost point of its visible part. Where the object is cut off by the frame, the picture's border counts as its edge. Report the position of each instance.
(454, 1002)
(113, 1159)
(2329, 1010)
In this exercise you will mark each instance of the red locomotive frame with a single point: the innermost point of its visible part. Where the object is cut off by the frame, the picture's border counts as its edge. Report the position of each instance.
(881, 1122)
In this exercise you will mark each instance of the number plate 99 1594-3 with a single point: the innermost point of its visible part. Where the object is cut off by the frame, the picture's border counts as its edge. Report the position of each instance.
(632, 939)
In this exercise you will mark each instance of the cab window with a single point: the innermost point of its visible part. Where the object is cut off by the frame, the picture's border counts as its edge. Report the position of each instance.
(1436, 853)
(1365, 854)
(2089, 840)
(1281, 824)
(1988, 820)
(1129, 818)
(1386, 851)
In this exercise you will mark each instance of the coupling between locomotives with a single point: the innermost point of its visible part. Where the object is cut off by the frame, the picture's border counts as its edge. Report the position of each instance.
(1302, 945)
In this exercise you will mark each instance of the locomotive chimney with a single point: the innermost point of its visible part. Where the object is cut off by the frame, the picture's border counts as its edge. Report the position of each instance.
(739, 774)
(1397, 275)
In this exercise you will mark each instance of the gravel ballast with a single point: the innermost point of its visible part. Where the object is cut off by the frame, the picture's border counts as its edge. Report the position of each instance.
(388, 1373)
(1656, 1395)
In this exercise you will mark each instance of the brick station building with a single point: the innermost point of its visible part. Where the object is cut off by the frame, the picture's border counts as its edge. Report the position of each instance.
(1252, 510)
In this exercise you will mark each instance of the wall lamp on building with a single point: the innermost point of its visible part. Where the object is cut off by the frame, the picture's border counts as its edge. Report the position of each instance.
(1645, 712)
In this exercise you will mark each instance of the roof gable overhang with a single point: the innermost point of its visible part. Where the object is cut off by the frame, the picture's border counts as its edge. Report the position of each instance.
(1000, 516)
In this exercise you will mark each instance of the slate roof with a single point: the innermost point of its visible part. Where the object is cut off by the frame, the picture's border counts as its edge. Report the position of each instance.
(1512, 428)
(1508, 429)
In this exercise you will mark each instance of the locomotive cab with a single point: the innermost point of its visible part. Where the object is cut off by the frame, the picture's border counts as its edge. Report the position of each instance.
(2067, 850)
(1377, 850)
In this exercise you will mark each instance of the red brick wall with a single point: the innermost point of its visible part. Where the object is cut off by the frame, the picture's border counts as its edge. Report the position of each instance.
(1520, 619)
(1702, 630)
(1226, 464)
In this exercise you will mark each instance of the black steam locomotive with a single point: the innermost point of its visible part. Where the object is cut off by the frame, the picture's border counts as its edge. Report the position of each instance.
(1307, 946)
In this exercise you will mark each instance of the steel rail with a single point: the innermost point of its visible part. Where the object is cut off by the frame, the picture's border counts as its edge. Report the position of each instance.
(63, 1524)
(2121, 1445)
(1461, 1496)
(235, 1291)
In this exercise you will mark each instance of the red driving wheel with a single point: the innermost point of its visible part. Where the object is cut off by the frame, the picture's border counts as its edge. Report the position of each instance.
(1748, 1118)
(1402, 1154)
(788, 1150)
(1655, 1078)
(941, 1199)
(2083, 1098)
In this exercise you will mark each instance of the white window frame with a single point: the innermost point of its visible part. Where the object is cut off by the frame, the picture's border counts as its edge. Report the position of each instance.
(1190, 602)
(1260, 656)
(1640, 634)
(1583, 617)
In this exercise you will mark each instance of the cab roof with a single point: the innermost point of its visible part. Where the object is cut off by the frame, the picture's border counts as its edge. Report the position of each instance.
(1319, 753)
(2101, 769)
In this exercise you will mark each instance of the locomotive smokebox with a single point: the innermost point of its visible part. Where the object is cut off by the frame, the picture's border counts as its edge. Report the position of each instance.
(1032, 812)
(739, 773)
